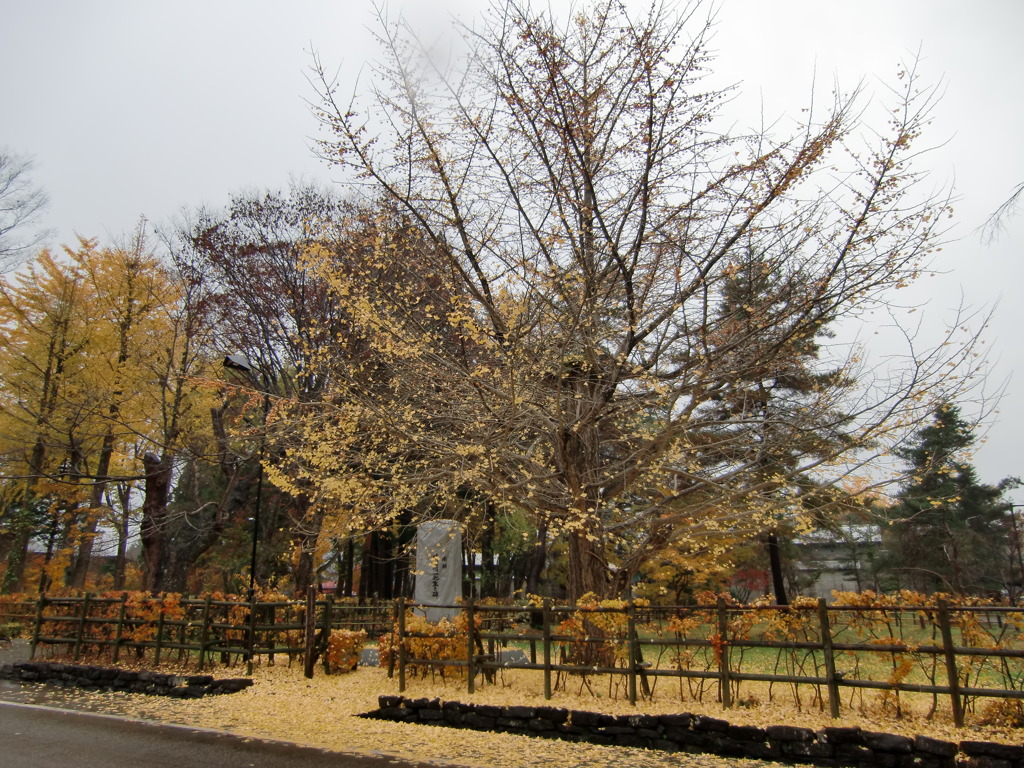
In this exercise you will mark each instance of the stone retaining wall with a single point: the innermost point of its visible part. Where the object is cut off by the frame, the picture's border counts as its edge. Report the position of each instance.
(94, 678)
(833, 746)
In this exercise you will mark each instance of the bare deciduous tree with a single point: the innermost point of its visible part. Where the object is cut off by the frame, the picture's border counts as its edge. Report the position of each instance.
(589, 212)
(21, 204)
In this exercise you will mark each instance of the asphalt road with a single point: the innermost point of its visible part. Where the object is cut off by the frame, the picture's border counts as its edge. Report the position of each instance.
(41, 737)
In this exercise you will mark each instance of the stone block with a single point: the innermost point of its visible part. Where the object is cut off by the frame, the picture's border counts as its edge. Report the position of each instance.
(841, 734)
(479, 722)
(938, 747)
(888, 742)
(853, 754)
(585, 719)
(1011, 752)
(808, 749)
(519, 713)
(553, 714)
(705, 723)
(789, 733)
(676, 721)
(643, 721)
(746, 733)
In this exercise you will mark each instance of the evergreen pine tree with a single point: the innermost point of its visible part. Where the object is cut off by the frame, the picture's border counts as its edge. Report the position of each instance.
(949, 532)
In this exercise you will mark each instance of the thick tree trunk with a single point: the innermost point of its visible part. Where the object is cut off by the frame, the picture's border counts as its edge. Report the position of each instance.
(153, 531)
(377, 577)
(775, 562)
(175, 572)
(588, 567)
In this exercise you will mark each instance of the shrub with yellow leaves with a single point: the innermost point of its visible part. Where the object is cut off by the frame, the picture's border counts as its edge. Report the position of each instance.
(426, 642)
(344, 648)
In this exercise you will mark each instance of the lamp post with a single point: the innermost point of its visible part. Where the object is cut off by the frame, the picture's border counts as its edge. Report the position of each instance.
(240, 362)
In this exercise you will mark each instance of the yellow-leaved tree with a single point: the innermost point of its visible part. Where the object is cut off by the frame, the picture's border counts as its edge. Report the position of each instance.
(100, 371)
(585, 215)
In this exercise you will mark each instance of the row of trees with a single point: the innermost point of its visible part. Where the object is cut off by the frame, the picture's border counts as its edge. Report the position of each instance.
(563, 304)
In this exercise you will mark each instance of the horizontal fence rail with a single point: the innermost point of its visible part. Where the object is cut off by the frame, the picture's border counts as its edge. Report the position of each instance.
(961, 653)
(818, 654)
(175, 629)
(15, 615)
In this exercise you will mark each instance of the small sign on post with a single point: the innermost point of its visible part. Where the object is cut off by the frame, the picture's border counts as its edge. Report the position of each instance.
(438, 568)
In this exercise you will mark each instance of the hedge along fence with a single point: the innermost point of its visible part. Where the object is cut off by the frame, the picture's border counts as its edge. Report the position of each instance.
(813, 652)
(166, 628)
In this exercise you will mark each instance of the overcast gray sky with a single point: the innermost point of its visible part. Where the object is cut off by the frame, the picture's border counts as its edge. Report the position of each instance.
(141, 108)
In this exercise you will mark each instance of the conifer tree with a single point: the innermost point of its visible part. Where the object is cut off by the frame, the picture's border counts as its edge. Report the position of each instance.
(949, 531)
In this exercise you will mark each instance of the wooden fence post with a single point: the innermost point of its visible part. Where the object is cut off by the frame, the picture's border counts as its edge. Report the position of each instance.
(38, 626)
(631, 651)
(271, 619)
(724, 682)
(546, 629)
(119, 632)
(159, 634)
(81, 625)
(328, 624)
(401, 645)
(832, 681)
(952, 673)
(309, 655)
(470, 648)
(393, 656)
(204, 633)
(250, 635)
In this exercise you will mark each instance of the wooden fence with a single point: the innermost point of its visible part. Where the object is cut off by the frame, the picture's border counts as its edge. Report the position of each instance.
(15, 615)
(816, 653)
(960, 653)
(174, 629)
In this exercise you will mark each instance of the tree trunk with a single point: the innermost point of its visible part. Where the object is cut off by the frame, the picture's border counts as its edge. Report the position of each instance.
(80, 565)
(588, 567)
(153, 531)
(123, 535)
(775, 561)
(537, 561)
(175, 571)
(345, 574)
(305, 540)
(488, 577)
(14, 577)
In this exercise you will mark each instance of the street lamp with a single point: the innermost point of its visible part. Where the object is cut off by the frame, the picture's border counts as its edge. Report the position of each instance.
(241, 363)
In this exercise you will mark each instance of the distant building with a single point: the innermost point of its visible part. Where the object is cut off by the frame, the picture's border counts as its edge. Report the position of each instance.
(839, 560)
